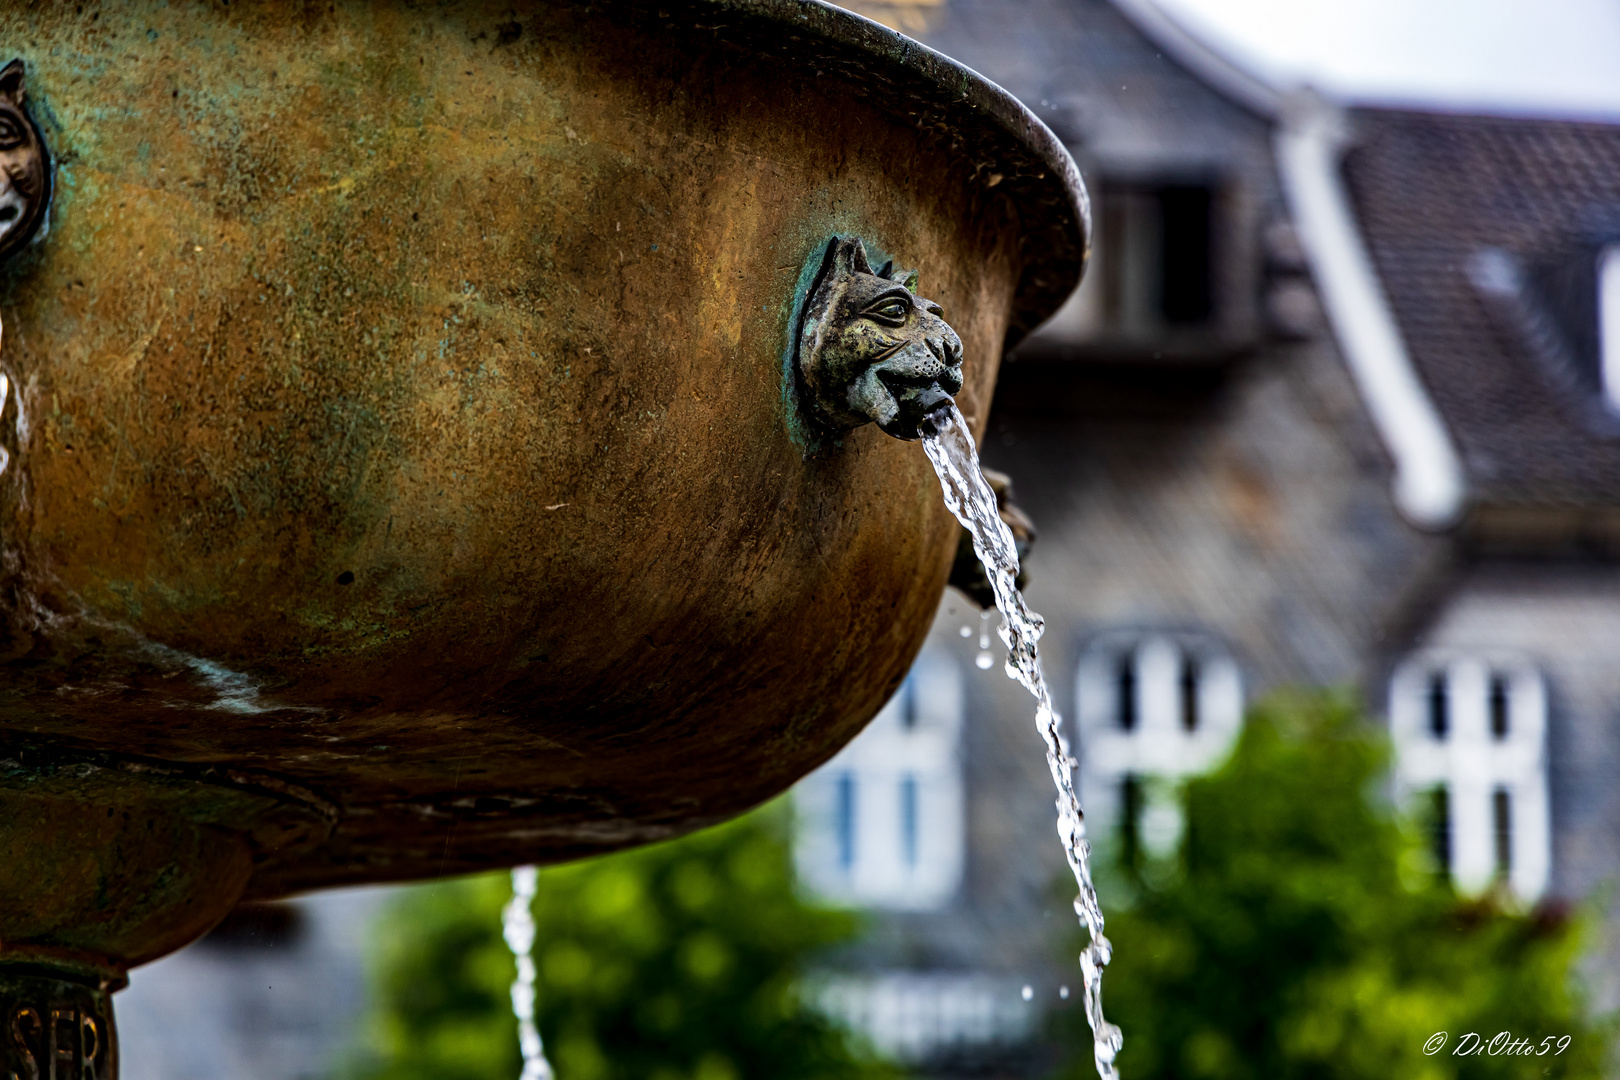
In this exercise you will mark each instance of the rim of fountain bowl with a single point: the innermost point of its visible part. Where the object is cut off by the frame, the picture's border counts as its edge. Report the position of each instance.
(1054, 210)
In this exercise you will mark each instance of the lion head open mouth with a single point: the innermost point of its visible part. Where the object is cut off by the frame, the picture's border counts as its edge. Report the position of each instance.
(871, 350)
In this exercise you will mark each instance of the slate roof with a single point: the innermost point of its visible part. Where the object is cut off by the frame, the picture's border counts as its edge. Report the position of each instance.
(1485, 232)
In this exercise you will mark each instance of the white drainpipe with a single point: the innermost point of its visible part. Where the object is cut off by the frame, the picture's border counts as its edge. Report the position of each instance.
(1429, 487)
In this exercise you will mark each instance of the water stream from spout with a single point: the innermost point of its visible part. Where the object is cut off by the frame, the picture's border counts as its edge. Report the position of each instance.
(517, 926)
(968, 496)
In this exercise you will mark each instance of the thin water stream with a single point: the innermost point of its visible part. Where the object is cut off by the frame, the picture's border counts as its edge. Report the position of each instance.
(951, 449)
(517, 926)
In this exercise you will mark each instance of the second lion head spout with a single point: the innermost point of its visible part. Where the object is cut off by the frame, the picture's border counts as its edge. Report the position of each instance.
(871, 350)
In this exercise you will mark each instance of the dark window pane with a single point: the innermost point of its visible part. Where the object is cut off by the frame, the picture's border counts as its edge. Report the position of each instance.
(1125, 691)
(846, 820)
(1440, 828)
(1439, 705)
(908, 818)
(1499, 706)
(1185, 213)
(1502, 812)
(1189, 693)
(1130, 813)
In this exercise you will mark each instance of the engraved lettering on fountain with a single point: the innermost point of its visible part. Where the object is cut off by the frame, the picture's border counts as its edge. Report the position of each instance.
(89, 1044)
(26, 1029)
(63, 1049)
(67, 1047)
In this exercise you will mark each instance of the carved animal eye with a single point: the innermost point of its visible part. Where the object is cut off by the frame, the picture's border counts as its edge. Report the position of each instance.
(11, 133)
(893, 309)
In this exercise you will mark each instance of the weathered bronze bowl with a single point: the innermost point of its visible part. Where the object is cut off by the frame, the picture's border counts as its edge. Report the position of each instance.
(403, 468)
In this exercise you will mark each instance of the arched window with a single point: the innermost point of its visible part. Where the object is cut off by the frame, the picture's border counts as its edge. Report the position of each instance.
(1151, 709)
(882, 823)
(1470, 737)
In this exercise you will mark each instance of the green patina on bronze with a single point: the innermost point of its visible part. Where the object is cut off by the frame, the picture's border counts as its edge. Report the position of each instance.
(397, 414)
(802, 430)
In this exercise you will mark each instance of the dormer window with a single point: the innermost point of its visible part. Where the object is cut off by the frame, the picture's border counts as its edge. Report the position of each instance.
(1154, 257)
(1563, 309)
(1608, 283)
(1152, 271)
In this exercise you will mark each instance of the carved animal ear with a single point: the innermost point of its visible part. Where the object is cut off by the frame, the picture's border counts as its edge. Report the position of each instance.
(849, 257)
(908, 278)
(11, 82)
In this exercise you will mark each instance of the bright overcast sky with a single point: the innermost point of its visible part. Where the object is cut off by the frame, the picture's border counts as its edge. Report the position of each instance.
(1559, 57)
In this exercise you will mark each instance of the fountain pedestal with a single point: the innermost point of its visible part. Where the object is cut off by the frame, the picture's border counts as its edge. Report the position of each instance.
(59, 1024)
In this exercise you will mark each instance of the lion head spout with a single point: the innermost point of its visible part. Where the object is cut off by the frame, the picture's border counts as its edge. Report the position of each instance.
(870, 350)
(25, 178)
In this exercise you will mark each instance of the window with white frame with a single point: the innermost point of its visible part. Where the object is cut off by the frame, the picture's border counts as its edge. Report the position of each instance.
(1152, 708)
(1470, 736)
(882, 823)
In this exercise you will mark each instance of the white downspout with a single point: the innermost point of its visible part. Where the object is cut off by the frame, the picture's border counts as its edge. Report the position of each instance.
(1429, 486)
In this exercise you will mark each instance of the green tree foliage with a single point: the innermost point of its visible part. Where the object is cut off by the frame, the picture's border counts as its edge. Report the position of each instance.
(678, 961)
(1302, 931)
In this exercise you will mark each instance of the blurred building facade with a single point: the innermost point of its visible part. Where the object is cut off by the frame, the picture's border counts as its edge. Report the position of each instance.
(1336, 406)
(275, 992)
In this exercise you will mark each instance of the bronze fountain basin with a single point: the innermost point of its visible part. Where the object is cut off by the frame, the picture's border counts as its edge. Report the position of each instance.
(404, 474)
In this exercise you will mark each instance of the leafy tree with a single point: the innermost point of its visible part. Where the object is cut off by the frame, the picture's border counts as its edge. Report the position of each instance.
(678, 961)
(1300, 930)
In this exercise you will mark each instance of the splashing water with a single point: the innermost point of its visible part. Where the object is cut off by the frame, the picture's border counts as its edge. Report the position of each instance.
(950, 448)
(517, 926)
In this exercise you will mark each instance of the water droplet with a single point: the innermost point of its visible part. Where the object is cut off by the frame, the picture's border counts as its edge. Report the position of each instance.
(967, 631)
(984, 661)
(1028, 993)
(1063, 992)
